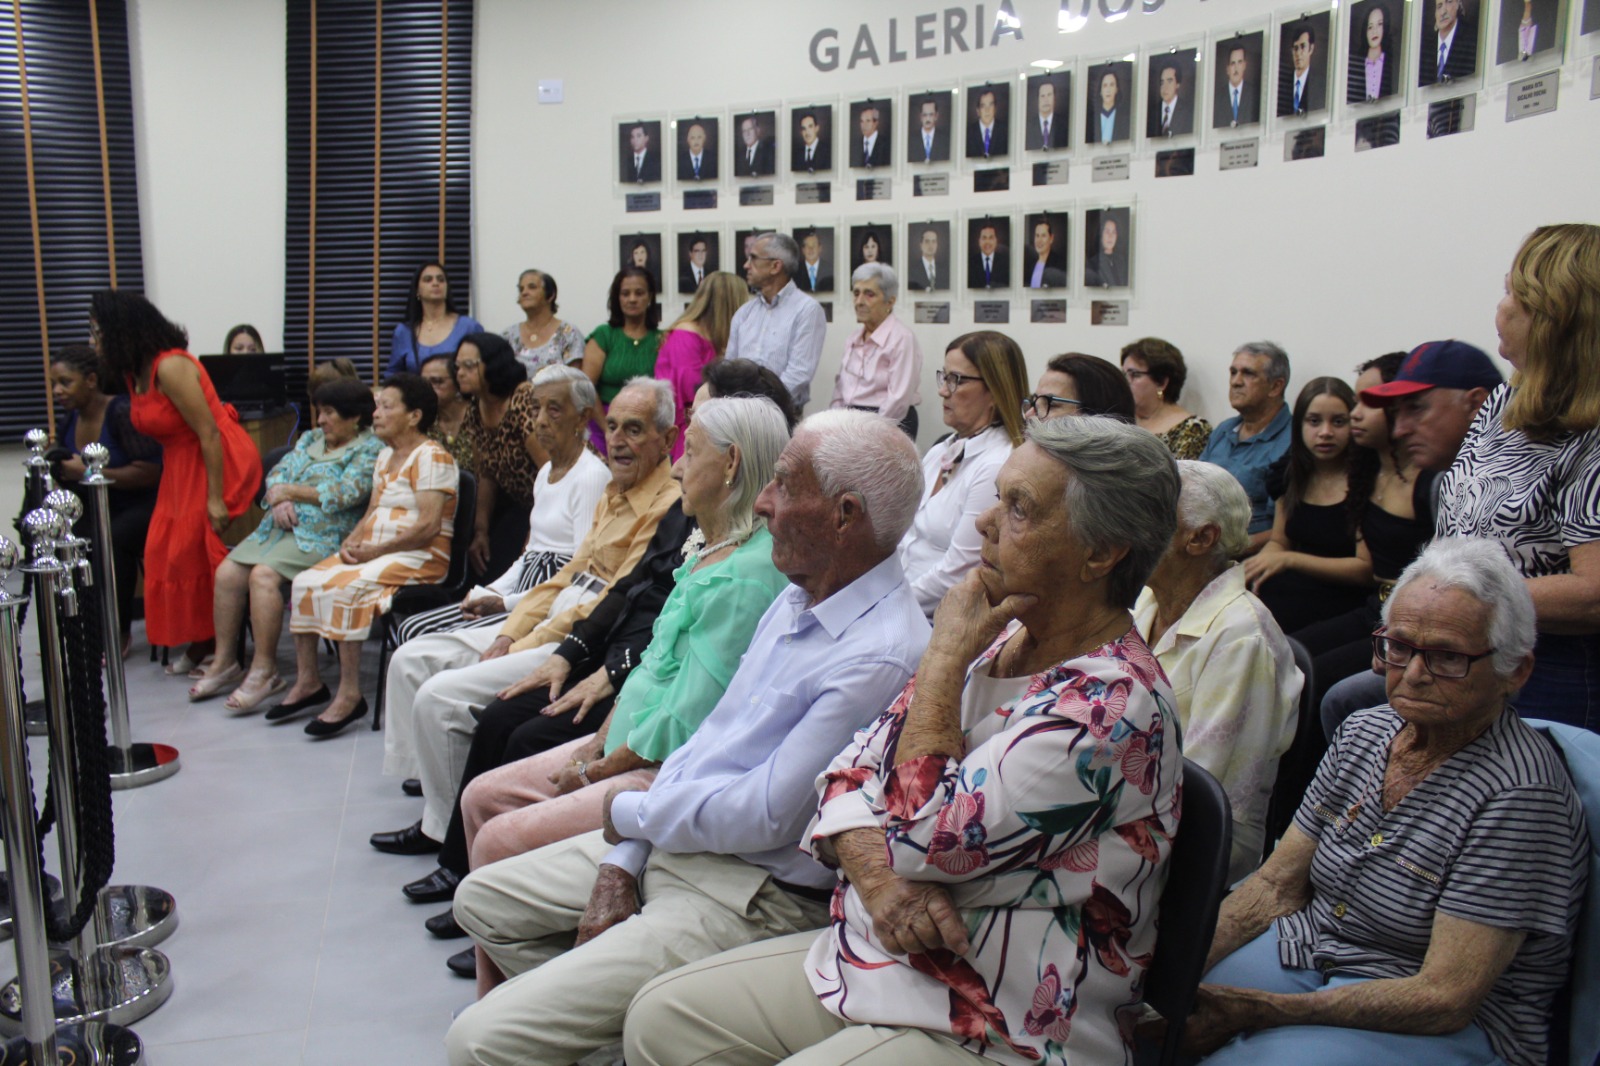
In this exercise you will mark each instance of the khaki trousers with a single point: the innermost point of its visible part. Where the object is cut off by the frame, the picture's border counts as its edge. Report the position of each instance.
(753, 1006)
(560, 1003)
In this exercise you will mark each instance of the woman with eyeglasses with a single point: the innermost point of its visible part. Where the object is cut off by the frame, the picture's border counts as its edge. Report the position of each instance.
(1155, 372)
(980, 387)
(1423, 905)
(1077, 384)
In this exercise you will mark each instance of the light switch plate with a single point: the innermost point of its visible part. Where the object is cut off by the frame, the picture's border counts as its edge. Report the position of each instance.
(551, 92)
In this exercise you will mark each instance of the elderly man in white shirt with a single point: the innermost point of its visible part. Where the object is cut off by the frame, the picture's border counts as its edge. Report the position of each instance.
(708, 857)
(1231, 669)
(782, 328)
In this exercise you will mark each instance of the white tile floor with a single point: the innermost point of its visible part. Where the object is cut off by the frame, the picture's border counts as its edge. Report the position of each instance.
(294, 943)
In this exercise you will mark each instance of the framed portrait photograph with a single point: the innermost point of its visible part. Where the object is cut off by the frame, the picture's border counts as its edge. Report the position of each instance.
(816, 258)
(697, 149)
(1528, 28)
(928, 256)
(929, 120)
(1170, 91)
(989, 120)
(1447, 47)
(1107, 247)
(744, 246)
(1047, 123)
(639, 152)
(1236, 85)
(1376, 42)
(755, 149)
(1108, 102)
(1303, 64)
(988, 252)
(1044, 259)
(871, 242)
(811, 139)
(641, 250)
(699, 253)
(872, 133)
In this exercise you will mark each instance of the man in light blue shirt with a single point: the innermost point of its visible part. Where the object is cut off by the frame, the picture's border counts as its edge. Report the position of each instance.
(1246, 445)
(709, 857)
(781, 327)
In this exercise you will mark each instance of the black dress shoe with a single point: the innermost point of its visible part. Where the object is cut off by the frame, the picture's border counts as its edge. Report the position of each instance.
(321, 728)
(408, 841)
(464, 963)
(411, 786)
(437, 887)
(443, 925)
(290, 708)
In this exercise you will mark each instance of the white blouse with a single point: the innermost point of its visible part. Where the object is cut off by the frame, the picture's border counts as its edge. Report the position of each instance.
(943, 542)
(562, 515)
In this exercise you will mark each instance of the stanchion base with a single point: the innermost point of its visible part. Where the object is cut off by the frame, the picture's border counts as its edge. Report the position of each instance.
(135, 916)
(142, 764)
(94, 1044)
(124, 984)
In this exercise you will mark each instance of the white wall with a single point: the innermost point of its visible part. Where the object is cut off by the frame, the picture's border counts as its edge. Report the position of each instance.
(1338, 259)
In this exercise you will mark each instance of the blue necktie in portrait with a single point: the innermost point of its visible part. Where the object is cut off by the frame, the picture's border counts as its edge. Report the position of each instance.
(986, 142)
(927, 147)
(1236, 105)
(1441, 59)
(987, 275)
(1297, 107)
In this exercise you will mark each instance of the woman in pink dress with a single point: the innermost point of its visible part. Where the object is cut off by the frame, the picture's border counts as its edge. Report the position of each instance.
(699, 336)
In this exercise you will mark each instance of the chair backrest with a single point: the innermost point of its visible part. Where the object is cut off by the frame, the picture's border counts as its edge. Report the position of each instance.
(465, 526)
(1298, 764)
(1197, 879)
(270, 460)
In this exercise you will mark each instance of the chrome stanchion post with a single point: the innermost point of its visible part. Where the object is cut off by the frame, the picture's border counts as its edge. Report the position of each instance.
(114, 984)
(40, 483)
(133, 764)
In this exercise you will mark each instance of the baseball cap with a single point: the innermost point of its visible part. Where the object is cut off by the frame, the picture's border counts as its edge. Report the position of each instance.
(1437, 365)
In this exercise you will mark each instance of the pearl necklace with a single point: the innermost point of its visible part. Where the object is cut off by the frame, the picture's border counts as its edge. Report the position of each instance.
(694, 546)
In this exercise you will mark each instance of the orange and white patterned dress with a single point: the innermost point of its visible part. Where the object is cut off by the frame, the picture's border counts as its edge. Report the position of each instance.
(339, 600)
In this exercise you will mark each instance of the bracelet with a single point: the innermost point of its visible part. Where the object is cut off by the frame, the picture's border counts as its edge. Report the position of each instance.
(583, 773)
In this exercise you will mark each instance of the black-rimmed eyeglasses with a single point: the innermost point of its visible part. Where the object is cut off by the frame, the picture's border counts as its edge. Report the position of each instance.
(1042, 403)
(1440, 662)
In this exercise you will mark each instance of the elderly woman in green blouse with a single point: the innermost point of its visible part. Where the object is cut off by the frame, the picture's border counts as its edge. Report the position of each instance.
(315, 496)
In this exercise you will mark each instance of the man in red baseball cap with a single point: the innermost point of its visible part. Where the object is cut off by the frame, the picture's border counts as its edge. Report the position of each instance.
(1433, 399)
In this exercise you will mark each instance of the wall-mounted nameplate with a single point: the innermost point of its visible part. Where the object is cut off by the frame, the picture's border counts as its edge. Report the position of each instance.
(991, 312)
(995, 179)
(872, 188)
(1112, 167)
(1532, 96)
(813, 192)
(930, 185)
(699, 199)
(1452, 116)
(755, 196)
(827, 309)
(1307, 143)
(1050, 173)
(1378, 131)
(1175, 163)
(928, 313)
(1047, 311)
(1108, 313)
(1237, 155)
(644, 201)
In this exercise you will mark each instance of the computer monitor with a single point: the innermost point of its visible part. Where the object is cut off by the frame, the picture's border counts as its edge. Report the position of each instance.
(252, 383)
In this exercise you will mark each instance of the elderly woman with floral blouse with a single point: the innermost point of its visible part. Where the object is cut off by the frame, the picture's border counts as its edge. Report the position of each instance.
(1002, 831)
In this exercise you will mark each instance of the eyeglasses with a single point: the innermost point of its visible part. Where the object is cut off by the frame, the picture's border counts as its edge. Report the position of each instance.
(1134, 375)
(761, 258)
(468, 364)
(950, 381)
(1041, 404)
(1440, 662)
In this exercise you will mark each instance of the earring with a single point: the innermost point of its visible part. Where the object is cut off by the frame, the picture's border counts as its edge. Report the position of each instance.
(727, 482)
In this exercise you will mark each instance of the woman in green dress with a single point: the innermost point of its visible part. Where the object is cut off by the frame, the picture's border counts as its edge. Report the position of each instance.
(624, 347)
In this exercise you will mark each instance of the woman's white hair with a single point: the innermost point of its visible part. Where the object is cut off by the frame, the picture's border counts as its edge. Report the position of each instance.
(1213, 497)
(581, 389)
(666, 412)
(756, 426)
(1482, 570)
(864, 453)
(882, 273)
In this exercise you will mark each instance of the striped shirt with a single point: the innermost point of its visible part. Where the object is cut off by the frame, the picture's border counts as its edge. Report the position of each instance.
(1494, 835)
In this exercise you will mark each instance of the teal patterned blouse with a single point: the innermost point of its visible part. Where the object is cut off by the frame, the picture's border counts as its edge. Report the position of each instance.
(343, 480)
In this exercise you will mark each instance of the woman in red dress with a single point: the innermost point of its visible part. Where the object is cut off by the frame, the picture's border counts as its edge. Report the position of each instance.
(211, 469)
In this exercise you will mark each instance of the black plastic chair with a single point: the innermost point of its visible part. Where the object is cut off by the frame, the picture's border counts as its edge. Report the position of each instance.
(1298, 765)
(454, 585)
(1197, 879)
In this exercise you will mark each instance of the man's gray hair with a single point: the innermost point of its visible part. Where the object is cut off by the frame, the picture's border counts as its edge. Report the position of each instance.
(1277, 359)
(868, 455)
(1123, 492)
(760, 431)
(783, 249)
(1213, 497)
(661, 392)
(1482, 570)
(581, 389)
(883, 274)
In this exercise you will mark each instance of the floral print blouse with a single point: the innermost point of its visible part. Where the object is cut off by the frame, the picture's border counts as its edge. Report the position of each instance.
(343, 480)
(1052, 836)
